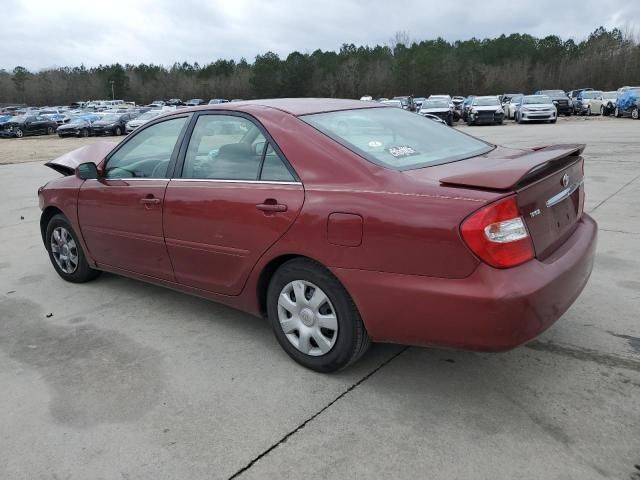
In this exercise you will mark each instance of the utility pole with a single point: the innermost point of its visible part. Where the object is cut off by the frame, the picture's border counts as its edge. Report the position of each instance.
(113, 95)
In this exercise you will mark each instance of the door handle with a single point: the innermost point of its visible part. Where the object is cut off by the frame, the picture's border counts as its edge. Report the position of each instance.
(150, 201)
(271, 206)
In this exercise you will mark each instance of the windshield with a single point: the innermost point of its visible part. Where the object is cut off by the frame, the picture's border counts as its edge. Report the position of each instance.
(610, 95)
(486, 101)
(148, 115)
(536, 99)
(591, 94)
(19, 118)
(553, 93)
(113, 117)
(435, 104)
(77, 121)
(396, 138)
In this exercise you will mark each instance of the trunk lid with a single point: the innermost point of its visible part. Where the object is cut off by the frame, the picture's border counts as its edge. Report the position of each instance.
(548, 183)
(67, 163)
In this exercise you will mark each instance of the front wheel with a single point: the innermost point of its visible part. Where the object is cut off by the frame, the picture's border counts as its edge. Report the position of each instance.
(635, 114)
(49, 130)
(617, 113)
(314, 318)
(19, 133)
(117, 132)
(588, 111)
(65, 252)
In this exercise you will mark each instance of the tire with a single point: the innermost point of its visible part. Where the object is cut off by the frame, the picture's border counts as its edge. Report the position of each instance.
(635, 114)
(60, 135)
(117, 132)
(84, 133)
(450, 121)
(349, 340)
(49, 130)
(616, 113)
(588, 114)
(602, 111)
(19, 133)
(519, 120)
(77, 271)
(553, 121)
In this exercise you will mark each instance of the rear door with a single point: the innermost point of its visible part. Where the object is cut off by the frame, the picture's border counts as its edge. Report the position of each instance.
(234, 195)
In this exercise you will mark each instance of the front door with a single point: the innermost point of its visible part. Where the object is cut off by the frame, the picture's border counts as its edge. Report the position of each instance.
(120, 213)
(235, 197)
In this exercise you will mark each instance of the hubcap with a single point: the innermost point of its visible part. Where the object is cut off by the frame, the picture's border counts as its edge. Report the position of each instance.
(64, 250)
(307, 318)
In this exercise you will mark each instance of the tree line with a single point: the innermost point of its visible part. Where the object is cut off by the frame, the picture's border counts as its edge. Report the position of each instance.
(607, 59)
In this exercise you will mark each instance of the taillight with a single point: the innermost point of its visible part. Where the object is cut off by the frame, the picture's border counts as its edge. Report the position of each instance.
(498, 235)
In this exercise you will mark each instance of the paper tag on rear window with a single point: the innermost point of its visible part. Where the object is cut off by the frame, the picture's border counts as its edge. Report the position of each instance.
(402, 151)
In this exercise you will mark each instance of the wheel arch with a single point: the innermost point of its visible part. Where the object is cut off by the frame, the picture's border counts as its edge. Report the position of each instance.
(47, 214)
(267, 273)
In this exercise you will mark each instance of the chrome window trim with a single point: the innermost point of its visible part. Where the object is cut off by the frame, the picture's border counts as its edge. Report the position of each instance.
(216, 180)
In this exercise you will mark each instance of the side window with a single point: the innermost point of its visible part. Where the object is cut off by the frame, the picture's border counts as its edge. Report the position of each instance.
(274, 168)
(224, 147)
(148, 153)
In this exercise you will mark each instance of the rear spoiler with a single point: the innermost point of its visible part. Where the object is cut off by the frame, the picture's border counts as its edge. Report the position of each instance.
(510, 173)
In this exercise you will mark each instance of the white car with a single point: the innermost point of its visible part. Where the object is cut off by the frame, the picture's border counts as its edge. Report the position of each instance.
(533, 108)
(142, 119)
(509, 106)
(438, 107)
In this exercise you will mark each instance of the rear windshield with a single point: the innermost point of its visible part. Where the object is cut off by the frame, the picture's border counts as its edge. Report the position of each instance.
(396, 138)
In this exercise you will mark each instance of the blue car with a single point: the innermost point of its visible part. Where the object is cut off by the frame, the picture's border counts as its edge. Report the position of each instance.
(628, 103)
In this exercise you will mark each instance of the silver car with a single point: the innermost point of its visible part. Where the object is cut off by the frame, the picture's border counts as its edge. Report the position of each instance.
(532, 108)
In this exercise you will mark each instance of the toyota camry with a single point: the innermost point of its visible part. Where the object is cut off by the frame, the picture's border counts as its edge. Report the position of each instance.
(341, 222)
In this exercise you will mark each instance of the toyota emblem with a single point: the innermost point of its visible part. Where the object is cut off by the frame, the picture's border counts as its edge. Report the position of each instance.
(565, 180)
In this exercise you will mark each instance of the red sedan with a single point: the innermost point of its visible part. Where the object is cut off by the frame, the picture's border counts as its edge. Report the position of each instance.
(343, 222)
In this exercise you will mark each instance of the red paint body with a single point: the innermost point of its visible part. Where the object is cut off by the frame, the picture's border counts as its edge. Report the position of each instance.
(391, 237)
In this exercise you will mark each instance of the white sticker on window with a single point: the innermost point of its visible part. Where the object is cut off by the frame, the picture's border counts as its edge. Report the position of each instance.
(402, 151)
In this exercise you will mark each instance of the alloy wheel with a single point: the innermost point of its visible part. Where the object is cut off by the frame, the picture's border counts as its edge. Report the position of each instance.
(64, 250)
(307, 318)
(19, 133)
(634, 114)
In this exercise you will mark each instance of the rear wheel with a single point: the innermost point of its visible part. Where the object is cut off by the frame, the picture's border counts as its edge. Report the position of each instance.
(589, 111)
(634, 113)
(65, 252)
(314, 318)
(84, 132)
(118, 131)
(49, 130)
(19, 133)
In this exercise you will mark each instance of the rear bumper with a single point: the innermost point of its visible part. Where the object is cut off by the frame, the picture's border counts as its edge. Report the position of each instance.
(491, 310)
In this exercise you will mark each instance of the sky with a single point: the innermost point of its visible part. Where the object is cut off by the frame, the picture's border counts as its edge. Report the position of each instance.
(40, 34)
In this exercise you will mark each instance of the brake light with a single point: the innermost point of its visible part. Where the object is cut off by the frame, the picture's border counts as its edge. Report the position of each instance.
(498, 235)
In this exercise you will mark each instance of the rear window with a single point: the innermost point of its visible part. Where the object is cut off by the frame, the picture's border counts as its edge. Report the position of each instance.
(395, 138)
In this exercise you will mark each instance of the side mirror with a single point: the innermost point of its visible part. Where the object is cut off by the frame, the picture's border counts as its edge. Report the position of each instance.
(87, 171)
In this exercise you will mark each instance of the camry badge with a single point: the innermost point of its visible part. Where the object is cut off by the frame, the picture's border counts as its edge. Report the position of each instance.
(565, 180)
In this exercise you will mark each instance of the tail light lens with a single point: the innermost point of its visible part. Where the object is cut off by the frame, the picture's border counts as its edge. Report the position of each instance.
(498, 235)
